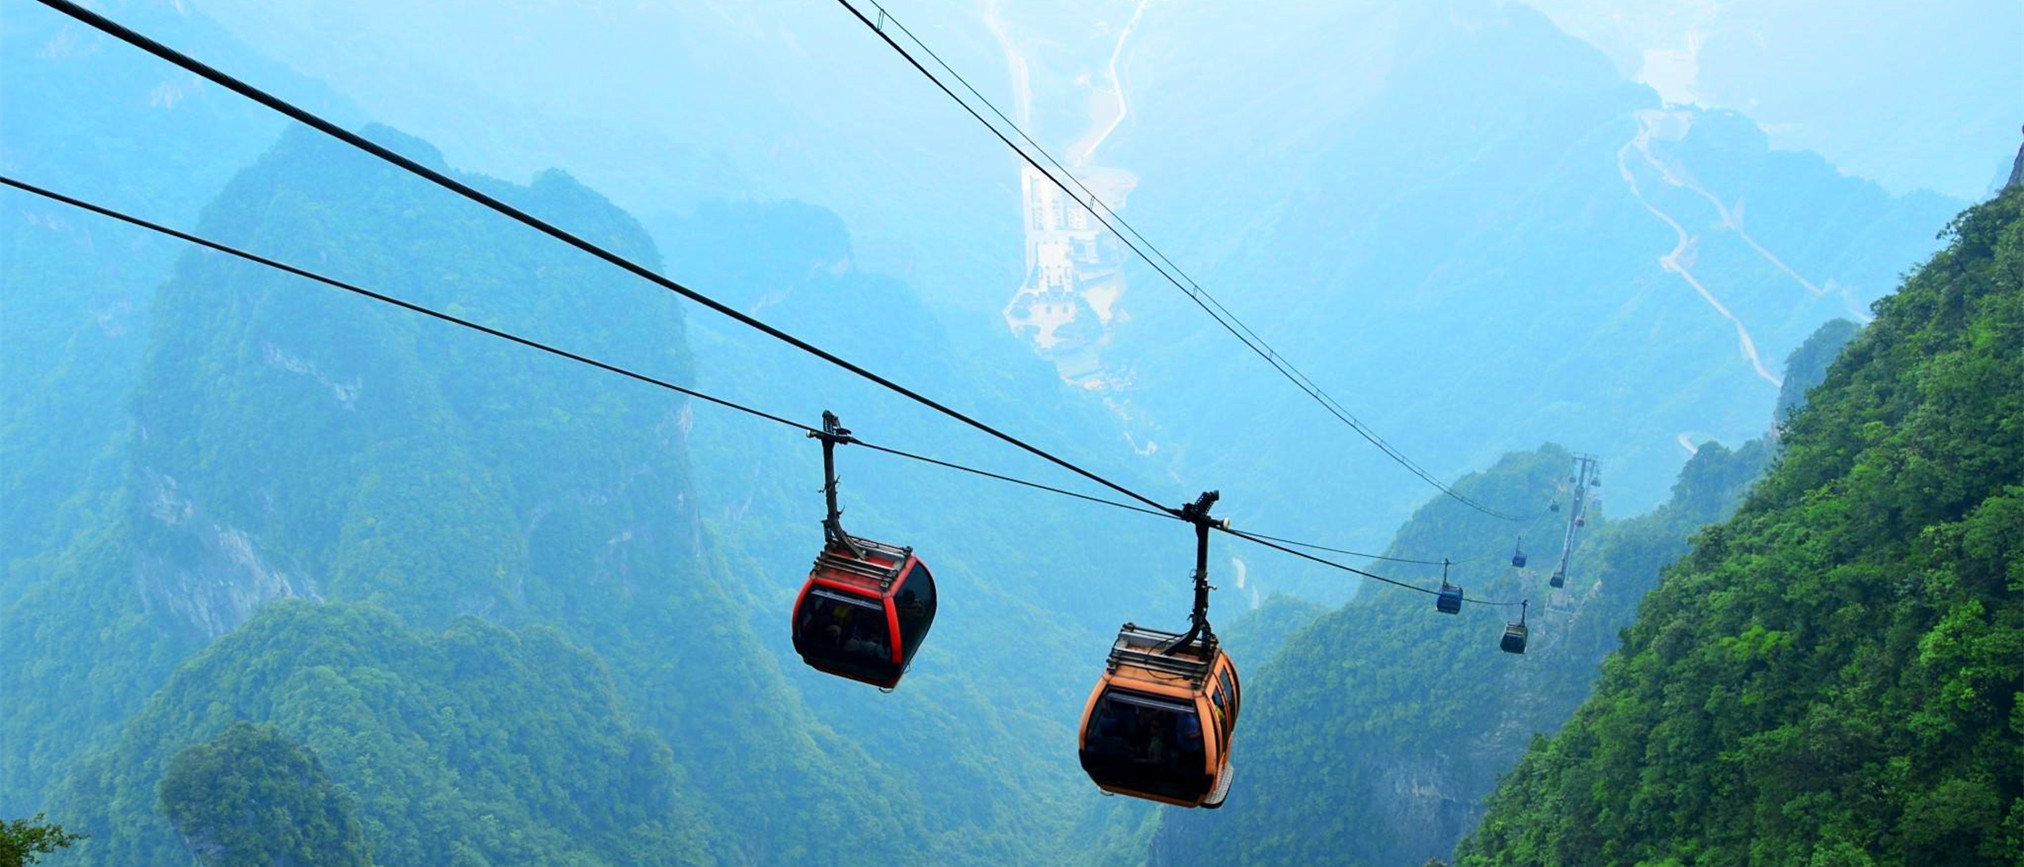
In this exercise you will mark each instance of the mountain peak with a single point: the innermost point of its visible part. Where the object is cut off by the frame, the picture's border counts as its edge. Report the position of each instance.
(406, 145)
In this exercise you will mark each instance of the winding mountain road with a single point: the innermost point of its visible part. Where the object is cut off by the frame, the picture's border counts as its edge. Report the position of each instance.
(1674, 261)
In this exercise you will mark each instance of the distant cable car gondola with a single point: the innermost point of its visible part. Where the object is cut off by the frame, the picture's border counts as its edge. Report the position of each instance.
(1553, 506)
(1580, 520)
(1449, 600)
(1518, 555)
(866, 606)
(1159, 723)
(1514, 633)
(1559, 578)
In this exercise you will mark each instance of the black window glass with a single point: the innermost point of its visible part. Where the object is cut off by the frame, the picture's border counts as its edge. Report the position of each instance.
(914, 603)
(1230, 683)
(843, 627)
(1146, 743)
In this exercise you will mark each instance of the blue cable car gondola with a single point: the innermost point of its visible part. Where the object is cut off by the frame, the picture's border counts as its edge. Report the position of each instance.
(1518, 555)
(1449, 601)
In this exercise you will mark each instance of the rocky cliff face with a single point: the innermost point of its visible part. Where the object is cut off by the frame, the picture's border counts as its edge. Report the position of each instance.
(2016, 170)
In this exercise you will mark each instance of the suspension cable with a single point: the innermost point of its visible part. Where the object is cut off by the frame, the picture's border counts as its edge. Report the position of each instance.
(303, 116)
(1185, 283)
(1361, 554)
(1265, 541)
(776, 418)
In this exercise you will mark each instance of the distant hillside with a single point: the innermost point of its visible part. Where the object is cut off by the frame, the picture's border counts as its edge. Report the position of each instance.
(478, 745)
(297, 443)
(1834, 675)
(1462, 224)
(90, 116)
(1381, 728)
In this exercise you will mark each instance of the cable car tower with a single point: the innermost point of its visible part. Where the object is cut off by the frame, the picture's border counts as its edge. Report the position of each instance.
(1586, 475)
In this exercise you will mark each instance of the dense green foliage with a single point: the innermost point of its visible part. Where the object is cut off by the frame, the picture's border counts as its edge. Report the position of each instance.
(1417, 713)
(477, 745)
(1807, 366)
(25, 841)
(250, 797)
(1417, 740)
(1833, 676)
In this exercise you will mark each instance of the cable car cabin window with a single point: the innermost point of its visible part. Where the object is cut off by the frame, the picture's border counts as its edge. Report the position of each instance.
(914, 602)
(1146, 743)
(1236, 699)
(1219, 699)
(845, 630)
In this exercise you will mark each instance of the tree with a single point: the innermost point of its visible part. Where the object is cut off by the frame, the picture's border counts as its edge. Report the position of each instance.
(25, 841)
(251, 796)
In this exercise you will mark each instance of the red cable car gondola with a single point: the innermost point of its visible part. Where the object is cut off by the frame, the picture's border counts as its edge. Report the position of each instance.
(867, 606)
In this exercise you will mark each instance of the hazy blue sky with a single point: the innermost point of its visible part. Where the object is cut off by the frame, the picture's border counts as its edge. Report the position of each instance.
(1911, 95)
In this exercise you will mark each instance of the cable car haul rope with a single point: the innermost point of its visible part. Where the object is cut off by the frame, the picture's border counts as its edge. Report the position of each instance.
(1138, 244)
(1159, 722)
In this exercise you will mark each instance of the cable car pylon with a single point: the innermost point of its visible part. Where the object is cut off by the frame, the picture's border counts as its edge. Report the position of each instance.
(1585, 474)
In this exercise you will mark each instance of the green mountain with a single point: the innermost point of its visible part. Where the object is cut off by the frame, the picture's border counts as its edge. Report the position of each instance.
(1418, 714)
(1833, 675)
(92, 117)
(251, 796)
(292, 442)
(477, 745)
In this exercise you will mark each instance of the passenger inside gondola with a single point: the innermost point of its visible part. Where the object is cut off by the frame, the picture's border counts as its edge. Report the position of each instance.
(1147, 743)
(846, 627)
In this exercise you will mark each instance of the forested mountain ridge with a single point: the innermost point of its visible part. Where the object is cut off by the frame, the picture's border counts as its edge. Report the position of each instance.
(473, 746)
(452, 476)
(1833, 675)
(101, 120)
(455, 477)
(251, 772)
(1420, 713)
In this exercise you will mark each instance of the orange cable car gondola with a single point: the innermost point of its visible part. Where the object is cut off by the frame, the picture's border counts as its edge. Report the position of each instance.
(866, 606)
(1159, 723)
